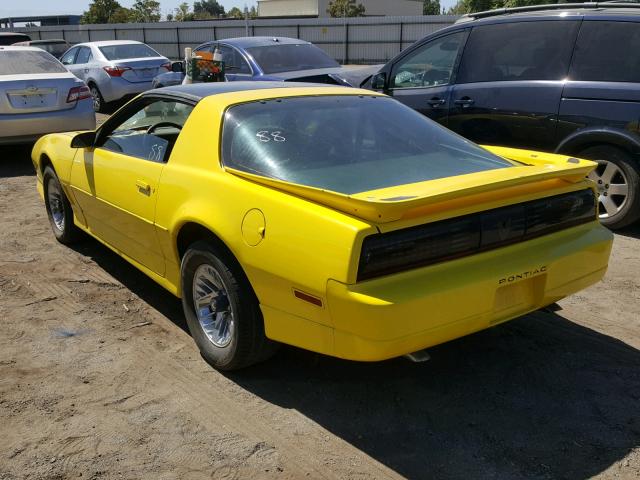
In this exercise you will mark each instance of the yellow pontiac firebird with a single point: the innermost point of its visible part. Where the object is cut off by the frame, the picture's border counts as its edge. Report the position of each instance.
(333, 219)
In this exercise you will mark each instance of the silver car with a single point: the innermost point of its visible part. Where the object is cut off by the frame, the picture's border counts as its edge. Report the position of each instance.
(114, 69)
(38, 96)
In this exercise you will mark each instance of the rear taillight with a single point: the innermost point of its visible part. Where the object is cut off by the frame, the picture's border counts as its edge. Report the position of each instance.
(386, 253)
(116, 71)
(166, 65)
(78, 93)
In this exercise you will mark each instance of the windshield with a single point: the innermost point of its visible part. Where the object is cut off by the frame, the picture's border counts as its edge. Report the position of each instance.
(286, 58)
(347, 144)
(128, 50)
(26, 62)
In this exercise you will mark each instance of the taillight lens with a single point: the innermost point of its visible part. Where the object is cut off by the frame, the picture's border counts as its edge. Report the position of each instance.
(78, 93)
(166, 65)
(116, 71)
(386, 253)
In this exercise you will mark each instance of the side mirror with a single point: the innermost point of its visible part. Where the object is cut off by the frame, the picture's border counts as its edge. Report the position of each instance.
(84, 140)
(379, 81)
(177, 67)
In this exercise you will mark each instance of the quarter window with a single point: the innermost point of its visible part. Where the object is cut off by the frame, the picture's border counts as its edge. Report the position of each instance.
(603, 52)
(518, 51)
(151, 132)
(84, 55)
(431, 65)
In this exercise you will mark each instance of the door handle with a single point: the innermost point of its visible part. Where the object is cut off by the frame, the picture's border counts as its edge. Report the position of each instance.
(464, 102)
(436, 102)
(143, 187)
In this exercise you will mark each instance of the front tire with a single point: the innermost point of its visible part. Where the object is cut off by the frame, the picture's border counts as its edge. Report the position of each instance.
(618, 182)
(59, 209)
(221, 309)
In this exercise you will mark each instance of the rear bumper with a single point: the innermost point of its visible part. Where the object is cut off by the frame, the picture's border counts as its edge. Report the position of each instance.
(119, 88)
(28, 127)
(402, 313)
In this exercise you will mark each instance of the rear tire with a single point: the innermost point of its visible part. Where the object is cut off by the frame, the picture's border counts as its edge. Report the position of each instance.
(99, 104)
(618, 179)
(221, 309)
(59, 209)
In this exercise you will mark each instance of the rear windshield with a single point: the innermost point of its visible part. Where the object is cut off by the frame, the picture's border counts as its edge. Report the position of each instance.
(15, 62)
(287, 58)
(54, 48)
(13, 38)
(128, 50)
(346, 144)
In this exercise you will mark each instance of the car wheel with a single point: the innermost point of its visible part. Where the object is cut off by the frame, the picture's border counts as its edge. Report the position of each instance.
(98, 101)
(221, 309)
(618, 183)
(59, 209)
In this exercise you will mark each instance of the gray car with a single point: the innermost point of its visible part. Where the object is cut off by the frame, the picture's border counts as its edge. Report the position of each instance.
(38, 96)
(114, 69)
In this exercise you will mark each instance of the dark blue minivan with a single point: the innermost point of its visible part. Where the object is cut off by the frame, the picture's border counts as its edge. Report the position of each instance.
(558, 78)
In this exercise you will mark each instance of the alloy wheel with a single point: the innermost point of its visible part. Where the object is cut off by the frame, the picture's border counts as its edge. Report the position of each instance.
(613, 188)
(212, 306)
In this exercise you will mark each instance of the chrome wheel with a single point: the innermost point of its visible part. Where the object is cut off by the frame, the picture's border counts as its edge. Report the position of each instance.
(97, 101)
(212, 306)
(613, 188)
(56, 206)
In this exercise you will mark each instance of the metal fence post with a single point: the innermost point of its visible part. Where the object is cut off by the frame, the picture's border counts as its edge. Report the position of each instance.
(178, 39)
(401, 35)
(144, 36)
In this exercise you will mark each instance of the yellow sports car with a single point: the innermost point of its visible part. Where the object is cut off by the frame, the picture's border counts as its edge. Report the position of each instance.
(333, 219)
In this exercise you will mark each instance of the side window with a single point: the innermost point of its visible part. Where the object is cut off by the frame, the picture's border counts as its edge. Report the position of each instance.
(430, 65)
(151, 132)
(602, 52)
(84, 55)
(518, 51)
(67, 58)
(233, 61)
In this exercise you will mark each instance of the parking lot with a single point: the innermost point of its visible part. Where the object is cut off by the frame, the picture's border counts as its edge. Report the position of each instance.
(100, 379)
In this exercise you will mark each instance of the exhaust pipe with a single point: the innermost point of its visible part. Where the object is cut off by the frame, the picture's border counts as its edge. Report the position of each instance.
(418, 357)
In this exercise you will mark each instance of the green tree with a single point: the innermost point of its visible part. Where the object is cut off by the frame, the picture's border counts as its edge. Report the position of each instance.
(472, 6)
(105, 11)
(431, 7)
(169, 17)
(145, 11)
(253, 12)
(208, 9)
(345, 8)
(235, 12)
(183, 13)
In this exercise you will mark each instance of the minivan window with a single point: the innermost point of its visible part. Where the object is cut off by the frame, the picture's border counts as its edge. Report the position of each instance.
(518, 51)
(430, 65)
(603, 52)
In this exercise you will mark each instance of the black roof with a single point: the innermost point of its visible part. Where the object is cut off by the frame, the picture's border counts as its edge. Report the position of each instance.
(198, 91)
(618, 9)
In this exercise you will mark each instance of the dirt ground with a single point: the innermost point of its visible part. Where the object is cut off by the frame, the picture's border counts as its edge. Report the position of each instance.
(99, 379)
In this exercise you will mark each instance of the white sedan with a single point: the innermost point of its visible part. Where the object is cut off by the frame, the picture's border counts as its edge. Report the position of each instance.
(38, 95)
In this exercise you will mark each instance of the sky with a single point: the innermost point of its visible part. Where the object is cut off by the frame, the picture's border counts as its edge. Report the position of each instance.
(47, 7)
(76, 7)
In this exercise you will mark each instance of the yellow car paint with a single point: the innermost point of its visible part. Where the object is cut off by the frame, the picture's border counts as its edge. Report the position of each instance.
(290, 238)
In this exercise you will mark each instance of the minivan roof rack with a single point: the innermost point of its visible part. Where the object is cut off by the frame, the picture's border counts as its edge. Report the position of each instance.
(553, 6)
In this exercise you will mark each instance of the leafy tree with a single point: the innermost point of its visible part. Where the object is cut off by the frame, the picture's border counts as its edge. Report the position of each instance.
(345, 8)
(105, 11)
(169, 17)
(183, 13)
(431, 7)
(208, 9)
(145, 11)
(235, 12)
(253, 12)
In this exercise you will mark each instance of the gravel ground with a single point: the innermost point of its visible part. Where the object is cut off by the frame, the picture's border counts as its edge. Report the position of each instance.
(99, 379)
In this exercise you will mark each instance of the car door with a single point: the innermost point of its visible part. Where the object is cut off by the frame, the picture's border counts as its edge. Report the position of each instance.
(116, 181)
(510, 82)
(82, 63)
(69, 58)
(422, 78)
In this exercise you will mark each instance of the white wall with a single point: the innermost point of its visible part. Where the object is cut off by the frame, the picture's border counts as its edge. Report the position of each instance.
(284, 8)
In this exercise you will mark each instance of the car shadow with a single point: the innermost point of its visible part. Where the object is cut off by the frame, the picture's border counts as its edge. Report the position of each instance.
(538, 397)
(15, 161)
(632, 231)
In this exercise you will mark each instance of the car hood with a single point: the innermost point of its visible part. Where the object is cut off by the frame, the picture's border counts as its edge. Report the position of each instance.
(406, 201)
